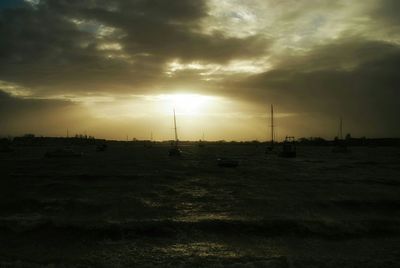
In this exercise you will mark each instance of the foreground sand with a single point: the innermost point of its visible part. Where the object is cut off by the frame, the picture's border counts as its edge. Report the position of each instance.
(135, 207)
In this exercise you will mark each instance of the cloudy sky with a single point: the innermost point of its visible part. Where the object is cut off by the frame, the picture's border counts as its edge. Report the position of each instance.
(113, 68)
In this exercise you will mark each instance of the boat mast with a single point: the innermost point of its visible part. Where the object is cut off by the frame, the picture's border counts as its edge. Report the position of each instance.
(341, 129)
(272, 125)
(176, 130)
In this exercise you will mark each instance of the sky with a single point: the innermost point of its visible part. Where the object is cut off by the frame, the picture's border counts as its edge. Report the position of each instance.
(117, 68)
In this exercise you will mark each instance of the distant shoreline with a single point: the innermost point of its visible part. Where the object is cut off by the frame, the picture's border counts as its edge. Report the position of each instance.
(89, 140)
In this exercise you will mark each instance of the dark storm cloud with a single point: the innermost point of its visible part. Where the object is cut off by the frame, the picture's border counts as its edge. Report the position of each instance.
(165, 11)
(5, 4)
(38, 46)
(13, 106)
(387, 10)
(166, 29)
(354, 78)
(43, 48)
(325, 58)
(18, 116)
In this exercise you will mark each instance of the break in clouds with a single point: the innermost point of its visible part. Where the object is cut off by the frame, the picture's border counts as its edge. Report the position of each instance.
(62, 62)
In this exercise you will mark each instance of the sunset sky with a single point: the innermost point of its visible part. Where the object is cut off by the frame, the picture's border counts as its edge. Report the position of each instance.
(113, 68)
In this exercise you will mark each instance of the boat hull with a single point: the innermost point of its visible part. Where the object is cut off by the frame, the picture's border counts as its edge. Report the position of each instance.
(228, 163)
(175, 152)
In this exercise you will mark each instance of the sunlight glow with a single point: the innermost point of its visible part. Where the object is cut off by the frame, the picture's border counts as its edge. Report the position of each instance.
(109, 46)
(208, 70)
(14, 89)
(94, 27)
(33, 2)
(185, 104)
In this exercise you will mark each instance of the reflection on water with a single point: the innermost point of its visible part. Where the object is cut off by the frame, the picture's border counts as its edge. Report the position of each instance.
(164, 213)
(202, 249)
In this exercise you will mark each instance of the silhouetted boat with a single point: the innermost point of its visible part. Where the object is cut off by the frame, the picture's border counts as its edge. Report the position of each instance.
(6, 149)
(340, 148)
(63, 153)
(149, 143)
(201, 142)
(288, 148)
(340, 145)
(227, 162)
(175, 151)
(101, 147)
(270, 148)
(5, 146)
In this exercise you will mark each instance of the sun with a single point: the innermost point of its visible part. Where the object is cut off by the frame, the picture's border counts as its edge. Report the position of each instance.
(187, 104)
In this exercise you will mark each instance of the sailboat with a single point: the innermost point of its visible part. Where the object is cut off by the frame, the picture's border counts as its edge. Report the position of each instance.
(149, 143)
(288, 145)
(340, 143)
(201, 142)
(175, 151)
(270, 148)
(288, 148)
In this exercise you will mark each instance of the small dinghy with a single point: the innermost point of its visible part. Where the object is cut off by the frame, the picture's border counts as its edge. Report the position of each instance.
(174, 151)
(6, 149)
(227, 162)
(340, 148)
(5, 146)
(288, 148)
(63, 153)
(101, 147)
